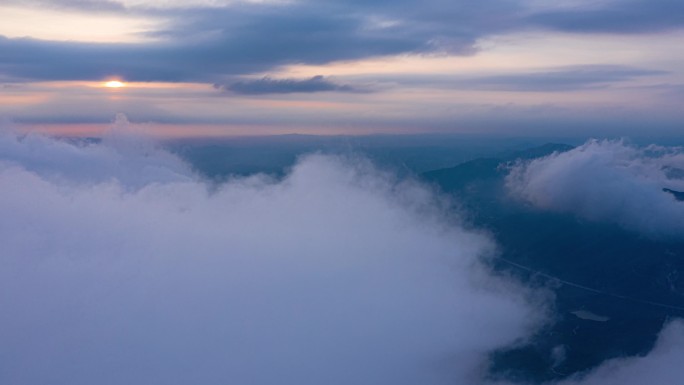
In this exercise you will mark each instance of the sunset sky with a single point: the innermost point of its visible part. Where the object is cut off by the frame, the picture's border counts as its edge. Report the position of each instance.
(221, 67)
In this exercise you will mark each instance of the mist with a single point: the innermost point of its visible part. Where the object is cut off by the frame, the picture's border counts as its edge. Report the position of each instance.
(121, 265)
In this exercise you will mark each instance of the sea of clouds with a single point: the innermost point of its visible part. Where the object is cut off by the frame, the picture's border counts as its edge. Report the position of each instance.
(120, 265)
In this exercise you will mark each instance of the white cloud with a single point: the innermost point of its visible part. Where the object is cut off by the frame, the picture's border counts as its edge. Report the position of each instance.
(125, 156)
(608, 181)
(119, 266)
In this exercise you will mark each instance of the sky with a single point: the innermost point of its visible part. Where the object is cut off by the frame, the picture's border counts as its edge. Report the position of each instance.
(222, 67)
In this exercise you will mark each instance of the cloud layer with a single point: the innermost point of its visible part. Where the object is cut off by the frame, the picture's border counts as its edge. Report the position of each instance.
(559, 79)
(268, 85)
(608, 181)
(199, 42)
(119, 265)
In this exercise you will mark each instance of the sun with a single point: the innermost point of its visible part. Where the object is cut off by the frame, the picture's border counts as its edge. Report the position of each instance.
(114, 84)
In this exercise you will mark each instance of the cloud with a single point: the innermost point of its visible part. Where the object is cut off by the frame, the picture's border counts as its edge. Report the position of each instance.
(268, 85)
(124, 156)
(564, 78)
(608, 181)
(120, 265)
(561, 79)
(661, 366)
(21, 58)
(86, 6)
(207, 43)
(625, 17)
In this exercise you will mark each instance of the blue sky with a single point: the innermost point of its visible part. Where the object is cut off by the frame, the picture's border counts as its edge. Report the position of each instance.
(355, 67)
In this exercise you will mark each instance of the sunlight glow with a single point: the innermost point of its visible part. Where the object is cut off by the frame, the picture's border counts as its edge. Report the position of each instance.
(56, 23)
(114, 84)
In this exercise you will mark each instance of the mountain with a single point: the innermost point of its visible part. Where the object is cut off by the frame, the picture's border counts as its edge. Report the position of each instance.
(458, 177)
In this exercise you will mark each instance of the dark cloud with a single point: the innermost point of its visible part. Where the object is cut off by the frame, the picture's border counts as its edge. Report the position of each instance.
(207, 44)
(211, 44)
(31, 59)
(632, 16)
(246, 44)
(268, 85)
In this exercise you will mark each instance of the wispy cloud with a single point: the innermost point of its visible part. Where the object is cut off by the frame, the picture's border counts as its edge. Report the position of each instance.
(268, 85)
(560, 79)
(566, 78)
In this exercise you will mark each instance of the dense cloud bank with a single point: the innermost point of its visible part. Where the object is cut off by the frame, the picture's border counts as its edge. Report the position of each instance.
(609, 181)
(119, 266)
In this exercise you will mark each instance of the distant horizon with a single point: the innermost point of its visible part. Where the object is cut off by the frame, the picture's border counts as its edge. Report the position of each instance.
(220, 132)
